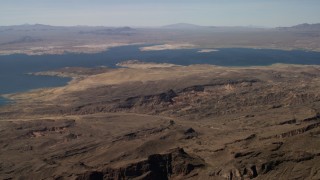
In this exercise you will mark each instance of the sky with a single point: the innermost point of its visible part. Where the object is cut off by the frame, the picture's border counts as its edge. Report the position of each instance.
(267, 13)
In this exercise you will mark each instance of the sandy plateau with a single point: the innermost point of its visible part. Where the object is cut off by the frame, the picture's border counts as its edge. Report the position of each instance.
(162, 121)
(167, 47)
(207, 50)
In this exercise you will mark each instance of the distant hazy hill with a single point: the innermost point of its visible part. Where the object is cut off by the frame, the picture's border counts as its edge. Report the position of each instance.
(30, 27)
(303, 27)
(24, 39)
(36, 28)
(111, 31)
(183, 26)
(212, 28)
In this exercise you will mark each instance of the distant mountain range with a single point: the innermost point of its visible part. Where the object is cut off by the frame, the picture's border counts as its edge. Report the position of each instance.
(97, 30)
(183, 26)
(187, 26)
(303, 27)
(125, 30)
(194, 26)
(111, 31)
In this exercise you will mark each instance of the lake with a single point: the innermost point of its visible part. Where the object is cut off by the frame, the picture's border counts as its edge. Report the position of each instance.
(14, 68)
(3, 101)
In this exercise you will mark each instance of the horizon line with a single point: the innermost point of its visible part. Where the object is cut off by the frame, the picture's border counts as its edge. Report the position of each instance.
(146, 26)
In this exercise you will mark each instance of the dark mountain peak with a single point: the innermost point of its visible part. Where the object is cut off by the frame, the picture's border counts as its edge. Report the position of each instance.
(306, 25)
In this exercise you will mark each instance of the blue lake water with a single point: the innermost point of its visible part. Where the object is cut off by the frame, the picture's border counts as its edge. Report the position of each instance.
(3, 101)
(13, 68)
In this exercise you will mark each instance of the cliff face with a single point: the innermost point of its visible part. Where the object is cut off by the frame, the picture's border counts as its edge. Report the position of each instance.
(157, 166)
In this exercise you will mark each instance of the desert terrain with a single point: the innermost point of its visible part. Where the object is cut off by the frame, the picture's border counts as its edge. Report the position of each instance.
(39, 39)
(164, 121)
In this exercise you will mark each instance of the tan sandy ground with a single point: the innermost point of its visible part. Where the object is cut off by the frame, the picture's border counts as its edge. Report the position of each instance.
(168, 47)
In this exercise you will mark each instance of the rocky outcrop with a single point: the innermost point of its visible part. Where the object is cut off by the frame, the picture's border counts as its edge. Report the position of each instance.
(190, 133)
(34, 129)
(145, 103)
(157, 166)
(245, 170)
(298, 131)
(94, 175)
(194, 88)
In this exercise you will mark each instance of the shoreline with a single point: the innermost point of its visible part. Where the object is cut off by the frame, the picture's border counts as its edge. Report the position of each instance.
(76, 74)
(12, 98)
(147, 48)
(62, 50)
(5, 101)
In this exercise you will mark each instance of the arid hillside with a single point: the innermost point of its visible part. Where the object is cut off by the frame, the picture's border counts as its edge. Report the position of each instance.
(162, 121)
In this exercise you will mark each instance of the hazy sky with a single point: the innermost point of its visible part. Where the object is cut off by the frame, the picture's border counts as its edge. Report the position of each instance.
(160, 12)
